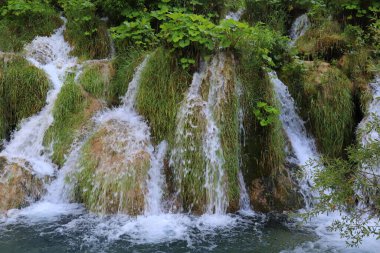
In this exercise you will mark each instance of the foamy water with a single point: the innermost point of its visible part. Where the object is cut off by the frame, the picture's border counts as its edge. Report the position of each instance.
(51, 54)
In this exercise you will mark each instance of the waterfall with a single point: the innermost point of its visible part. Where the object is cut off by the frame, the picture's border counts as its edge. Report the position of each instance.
(156, 181)
(303, 146)
(370, 135)
(299, 27)
(51, 54)
(211, 148)
(211, 142)
(235, 15)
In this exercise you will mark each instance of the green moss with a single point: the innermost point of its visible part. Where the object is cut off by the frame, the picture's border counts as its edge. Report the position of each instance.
(16, 32)
(23, 90)
(124, 66)
(68, 116)
(264, 152)
(227, 117)
(325, 98)
(96, 78)
(325, 41)
(108, 183)
(161, 89)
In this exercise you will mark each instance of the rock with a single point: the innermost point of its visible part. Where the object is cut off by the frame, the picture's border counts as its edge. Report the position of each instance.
(115, 163)
(19, 187)
(278, 193)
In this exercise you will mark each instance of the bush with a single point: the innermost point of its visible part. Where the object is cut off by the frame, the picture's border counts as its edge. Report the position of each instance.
(23, 20)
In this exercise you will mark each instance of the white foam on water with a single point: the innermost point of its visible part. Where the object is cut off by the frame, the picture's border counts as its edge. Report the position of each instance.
(51, 54)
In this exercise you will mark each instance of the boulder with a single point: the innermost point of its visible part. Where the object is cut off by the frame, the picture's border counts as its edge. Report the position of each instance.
(114, 169)
(19, 186)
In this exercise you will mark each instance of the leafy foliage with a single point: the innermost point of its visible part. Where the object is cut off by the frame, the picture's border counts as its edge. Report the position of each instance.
(265, 113)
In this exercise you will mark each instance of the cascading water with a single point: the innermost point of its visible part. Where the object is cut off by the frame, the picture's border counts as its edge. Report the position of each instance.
(156, 181)
(51, 54)
(303, 146)
(370, 135)
(211, 143)
(299, 27)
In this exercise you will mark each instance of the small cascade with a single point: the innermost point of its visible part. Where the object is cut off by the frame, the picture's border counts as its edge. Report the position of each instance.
(235, 15)
(245, 204)
(217, 202)
(303, 146)
(156, 181)
(299, 27)
(51, 54)
(370, 135)
(198, 114)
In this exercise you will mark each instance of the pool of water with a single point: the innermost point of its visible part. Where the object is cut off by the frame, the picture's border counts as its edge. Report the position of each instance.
(162, 233)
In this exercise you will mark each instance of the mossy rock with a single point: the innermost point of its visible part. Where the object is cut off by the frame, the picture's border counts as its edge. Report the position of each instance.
(264, 162)
(19, 187)
(113, 175)
(23, 91)
(325, 98)
(277, 193)
(76, 104)
(326, 42)
(189, 159)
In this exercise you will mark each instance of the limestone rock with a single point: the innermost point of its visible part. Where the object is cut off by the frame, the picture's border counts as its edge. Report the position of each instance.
(18, 185)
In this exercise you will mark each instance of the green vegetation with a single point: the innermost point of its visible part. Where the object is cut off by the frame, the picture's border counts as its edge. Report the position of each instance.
(23, 90)
(343, 183)
(22, 20)
(68, 116)
(86, 32)
(161, 90)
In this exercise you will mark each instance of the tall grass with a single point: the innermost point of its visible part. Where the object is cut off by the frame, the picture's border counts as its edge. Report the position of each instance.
(162, 87)
(23, 90)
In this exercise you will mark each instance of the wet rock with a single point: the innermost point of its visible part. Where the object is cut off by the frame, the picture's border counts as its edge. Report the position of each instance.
(19, 187)
(277, 193)
(115, 163)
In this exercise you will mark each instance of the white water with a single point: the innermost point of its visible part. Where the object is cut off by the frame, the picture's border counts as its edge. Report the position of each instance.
(235, 15)
(369, 135)
(303, 146)
(156, 181)
(212, 146)
(211, 143)
(51, 54)
(299, 27)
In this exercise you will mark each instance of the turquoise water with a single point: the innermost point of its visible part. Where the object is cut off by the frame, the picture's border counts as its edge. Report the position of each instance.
(88, 233)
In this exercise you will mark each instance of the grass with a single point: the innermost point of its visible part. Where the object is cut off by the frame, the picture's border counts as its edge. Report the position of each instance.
(161, 90)
(264, 165)
(324, 95)
(72, 111)
(23, 90)
(189, 158)
(94, 46)
(96, 79)
(124, 67)
(325, 41)
(15, 32)
(108, 183)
